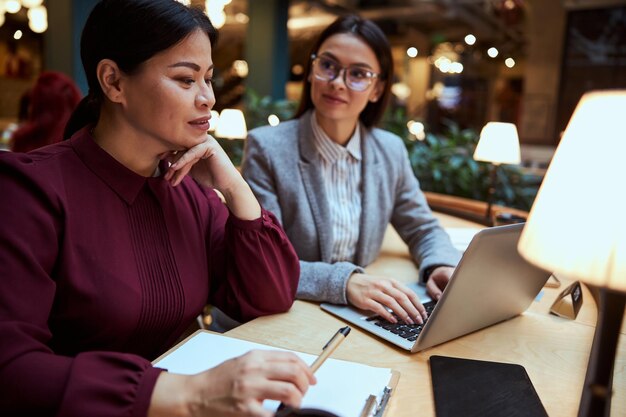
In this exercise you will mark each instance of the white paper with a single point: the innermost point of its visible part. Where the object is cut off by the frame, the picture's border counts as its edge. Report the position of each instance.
(342, 387)
(461, 236)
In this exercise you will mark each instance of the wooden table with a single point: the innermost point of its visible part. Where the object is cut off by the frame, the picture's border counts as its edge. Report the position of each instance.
(553, 350)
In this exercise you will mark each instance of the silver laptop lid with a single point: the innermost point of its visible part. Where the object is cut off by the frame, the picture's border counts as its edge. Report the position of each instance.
(491, 283)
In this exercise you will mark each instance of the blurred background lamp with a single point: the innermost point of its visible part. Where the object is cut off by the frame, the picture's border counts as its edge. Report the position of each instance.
(273, 120)
(577, 226)
(232, 125)
(498, 144)
(215, 119)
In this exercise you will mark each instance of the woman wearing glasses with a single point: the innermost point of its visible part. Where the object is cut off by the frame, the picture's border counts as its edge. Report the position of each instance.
(335, 182)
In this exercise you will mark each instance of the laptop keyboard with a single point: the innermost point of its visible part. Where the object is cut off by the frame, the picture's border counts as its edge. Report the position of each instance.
(404, 330)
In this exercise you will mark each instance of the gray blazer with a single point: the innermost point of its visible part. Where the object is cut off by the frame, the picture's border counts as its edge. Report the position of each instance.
(281, 165)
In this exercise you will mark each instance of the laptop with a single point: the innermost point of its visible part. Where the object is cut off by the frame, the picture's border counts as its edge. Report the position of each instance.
(491, 283)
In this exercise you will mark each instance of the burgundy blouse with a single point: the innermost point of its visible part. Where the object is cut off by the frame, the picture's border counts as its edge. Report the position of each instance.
(101, 270)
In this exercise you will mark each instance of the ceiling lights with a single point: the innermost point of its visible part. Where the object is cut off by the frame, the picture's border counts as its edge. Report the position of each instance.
(37, 13)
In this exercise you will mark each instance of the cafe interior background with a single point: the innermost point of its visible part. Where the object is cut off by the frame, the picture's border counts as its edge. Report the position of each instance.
(459, 64)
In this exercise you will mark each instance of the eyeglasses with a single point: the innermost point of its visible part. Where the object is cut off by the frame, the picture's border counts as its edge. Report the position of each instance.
(355, 77)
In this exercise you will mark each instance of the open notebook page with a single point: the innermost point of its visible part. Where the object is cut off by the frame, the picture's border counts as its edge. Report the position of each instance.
(342, 387)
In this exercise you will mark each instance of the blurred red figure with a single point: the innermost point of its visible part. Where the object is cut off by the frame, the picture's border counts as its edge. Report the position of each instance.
(53, 99)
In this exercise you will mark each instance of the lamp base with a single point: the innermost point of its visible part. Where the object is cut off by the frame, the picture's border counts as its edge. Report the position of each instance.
(596, 395)
(493, 179)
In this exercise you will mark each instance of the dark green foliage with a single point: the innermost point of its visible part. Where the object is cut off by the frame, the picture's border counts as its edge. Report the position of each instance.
(258, 109)
(443, 163)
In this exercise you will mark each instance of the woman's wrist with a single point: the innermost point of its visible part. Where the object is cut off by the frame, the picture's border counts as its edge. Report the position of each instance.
(171, 396)
(241, 201)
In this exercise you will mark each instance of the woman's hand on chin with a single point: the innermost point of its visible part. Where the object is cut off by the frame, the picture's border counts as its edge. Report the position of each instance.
(210, 166)
(206, 162)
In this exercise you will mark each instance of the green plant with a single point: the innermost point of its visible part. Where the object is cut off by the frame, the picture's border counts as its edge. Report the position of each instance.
(443, 163)
(258, 109)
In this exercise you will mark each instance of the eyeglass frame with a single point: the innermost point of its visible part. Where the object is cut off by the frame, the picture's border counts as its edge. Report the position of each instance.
(372, 76)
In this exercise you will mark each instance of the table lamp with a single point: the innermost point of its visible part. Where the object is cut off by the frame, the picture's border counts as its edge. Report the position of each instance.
(577, 227)
(498, 144)
(232, 125)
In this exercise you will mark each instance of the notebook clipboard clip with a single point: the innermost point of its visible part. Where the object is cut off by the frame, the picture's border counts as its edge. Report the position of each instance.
(377, 409)
(380, 408)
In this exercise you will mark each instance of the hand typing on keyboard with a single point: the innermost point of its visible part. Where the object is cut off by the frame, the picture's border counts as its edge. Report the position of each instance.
(404, 330)
(438, 280)
(378, 294)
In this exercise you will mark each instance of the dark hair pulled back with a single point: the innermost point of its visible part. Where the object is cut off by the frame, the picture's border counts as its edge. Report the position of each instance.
(129, 32)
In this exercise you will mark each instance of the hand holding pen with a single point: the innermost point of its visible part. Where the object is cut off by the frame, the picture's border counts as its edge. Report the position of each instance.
(327, 350)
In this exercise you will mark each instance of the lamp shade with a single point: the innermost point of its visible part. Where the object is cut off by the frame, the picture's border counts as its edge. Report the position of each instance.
(232, 125)
(577, 225)
(498, 144)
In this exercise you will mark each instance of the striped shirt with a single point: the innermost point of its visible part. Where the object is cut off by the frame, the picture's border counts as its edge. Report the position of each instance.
(341, 172)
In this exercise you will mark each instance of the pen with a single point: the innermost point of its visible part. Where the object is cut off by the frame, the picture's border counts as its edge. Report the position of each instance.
(328, 348)
(332, 344)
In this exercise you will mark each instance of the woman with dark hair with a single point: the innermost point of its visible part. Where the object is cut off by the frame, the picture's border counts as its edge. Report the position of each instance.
(51, 103)
(108, 250)
(335, 181)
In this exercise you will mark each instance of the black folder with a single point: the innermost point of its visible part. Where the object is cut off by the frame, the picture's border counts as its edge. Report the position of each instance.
(467, 387)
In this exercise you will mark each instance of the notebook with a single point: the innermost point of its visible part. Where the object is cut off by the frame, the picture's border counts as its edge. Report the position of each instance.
(337, 390)
(468, 387)
(491, 283)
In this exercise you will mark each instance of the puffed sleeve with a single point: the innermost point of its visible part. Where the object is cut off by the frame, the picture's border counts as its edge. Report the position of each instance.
(35, 380)
(253, 266)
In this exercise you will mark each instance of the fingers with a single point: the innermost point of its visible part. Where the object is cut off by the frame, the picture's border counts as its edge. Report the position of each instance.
(438, 281)
(433, 290)
(402, 301)
(282, 391)
(302, 369)
(183, 162)
(240, 385)
(414, 301)
(378, 308)
(280, 376)
(380, 294)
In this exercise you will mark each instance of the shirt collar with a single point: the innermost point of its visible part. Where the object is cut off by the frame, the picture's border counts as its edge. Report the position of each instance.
(124, 182)
(332, 151)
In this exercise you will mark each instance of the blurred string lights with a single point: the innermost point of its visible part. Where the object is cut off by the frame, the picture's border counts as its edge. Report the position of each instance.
(37, 14)
(446, 56)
